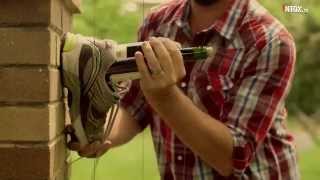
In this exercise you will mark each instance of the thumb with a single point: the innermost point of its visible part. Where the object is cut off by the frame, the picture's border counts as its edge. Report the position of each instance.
(74, 146)
(178, 44)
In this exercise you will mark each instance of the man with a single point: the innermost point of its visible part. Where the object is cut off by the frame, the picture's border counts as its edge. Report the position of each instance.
(222, 118)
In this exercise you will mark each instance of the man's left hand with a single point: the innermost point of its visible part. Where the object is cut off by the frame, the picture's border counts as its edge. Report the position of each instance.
(162, 68)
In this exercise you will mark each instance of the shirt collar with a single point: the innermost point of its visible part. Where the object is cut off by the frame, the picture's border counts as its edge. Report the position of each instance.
(226, 25)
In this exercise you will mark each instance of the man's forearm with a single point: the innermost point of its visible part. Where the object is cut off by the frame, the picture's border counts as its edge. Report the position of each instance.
(207, 137)
(124, 129)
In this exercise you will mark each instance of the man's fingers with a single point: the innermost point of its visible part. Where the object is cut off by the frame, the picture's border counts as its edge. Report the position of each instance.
(162, 55)
(104, 148)
(178, 44)
(151, 58)
(142, 67)
(74, 146)
(92, 150)
(89, 150)
(176, 57)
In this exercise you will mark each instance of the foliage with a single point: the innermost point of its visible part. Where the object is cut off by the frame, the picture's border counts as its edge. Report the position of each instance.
(105, 19)
(306, 30)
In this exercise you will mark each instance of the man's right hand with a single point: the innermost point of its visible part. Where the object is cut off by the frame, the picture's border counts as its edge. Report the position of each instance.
(124, 129)
(93, 150)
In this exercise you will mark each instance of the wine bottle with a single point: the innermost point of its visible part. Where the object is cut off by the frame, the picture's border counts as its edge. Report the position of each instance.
(126, 61)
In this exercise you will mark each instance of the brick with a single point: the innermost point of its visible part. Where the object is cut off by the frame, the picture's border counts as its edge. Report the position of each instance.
(66, 20)
(18, 12)
(29, 85)
(62, 11)
(39, 13)
(55, 48)
(40, 123)
(64, 172)
(61, 14)
(30, 46)
(58, 156)
(32, 161)
(56, 11)
(61, 175)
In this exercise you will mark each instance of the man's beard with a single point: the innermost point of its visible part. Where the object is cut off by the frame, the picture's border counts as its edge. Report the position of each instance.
(205, 2)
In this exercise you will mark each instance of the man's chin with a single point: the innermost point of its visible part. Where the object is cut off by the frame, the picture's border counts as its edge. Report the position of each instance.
(205, 2)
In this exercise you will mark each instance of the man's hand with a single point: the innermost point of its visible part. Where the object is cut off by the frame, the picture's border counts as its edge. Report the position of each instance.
(163, 68)
(93, 150)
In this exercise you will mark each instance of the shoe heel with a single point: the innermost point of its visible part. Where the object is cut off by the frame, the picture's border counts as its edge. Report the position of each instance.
(69, 42)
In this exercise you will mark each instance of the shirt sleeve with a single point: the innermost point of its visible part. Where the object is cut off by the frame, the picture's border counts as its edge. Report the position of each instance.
(134, 101)
(252, 106)
(135, 104)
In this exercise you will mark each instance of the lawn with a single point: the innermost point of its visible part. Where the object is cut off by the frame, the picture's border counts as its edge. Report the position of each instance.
(136, 161)
(133, 161)
(309, 162)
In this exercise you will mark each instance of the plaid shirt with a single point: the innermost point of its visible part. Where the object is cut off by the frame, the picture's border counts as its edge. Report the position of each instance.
(244, 86)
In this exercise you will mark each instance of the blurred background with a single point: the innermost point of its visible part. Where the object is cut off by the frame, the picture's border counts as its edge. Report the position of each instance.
(120, 19)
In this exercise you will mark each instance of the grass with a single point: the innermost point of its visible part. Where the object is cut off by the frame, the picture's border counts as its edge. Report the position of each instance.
(136, 161)
(309, 162)
(133, 161)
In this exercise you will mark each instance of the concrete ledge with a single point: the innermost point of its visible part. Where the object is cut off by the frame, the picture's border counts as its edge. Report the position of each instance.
(73, 5)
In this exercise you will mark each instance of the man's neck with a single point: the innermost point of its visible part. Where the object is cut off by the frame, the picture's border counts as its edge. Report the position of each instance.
(202, 17)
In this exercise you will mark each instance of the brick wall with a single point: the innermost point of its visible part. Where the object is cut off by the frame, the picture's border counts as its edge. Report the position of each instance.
(32, 146)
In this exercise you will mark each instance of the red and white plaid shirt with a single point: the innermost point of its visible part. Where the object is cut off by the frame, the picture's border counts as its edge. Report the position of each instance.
(244, 86)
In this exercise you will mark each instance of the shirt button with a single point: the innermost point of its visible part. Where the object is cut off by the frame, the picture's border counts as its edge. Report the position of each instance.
(179, 157)
(209, 88)
(183, 84)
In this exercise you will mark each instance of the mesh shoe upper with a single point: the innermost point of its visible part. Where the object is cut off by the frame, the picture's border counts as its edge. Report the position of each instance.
(85, 63)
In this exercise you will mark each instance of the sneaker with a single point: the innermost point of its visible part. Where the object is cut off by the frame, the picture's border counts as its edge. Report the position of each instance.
(85, 62)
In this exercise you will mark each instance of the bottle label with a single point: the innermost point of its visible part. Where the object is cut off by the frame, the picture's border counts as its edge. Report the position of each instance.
(124, 51)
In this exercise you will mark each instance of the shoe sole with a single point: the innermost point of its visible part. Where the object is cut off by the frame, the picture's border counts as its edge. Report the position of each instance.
(71, 48)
